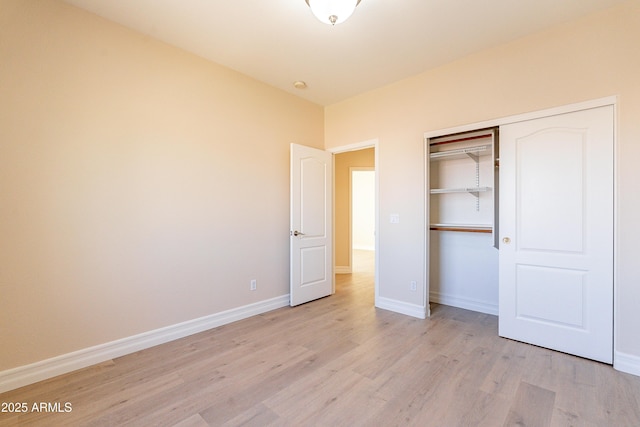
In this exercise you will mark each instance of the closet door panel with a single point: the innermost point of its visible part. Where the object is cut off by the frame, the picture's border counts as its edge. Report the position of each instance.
(543, 198)
(556, 233)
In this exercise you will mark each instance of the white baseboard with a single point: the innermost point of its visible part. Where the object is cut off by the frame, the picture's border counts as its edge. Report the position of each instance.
(627, 363)
(401, 307)
(342, 269)
(466, 303)
(38, 371)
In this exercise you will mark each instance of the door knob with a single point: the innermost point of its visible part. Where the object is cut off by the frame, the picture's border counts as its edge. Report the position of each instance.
(506, 240)
(297, 233)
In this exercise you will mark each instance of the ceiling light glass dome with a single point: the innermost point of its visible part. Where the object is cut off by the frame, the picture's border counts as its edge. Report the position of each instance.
(332, 11)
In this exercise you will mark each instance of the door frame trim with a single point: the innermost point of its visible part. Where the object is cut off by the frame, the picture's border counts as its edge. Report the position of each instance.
(554, 111)
(371, 143)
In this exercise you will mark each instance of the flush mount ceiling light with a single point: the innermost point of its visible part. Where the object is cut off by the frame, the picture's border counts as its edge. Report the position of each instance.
(332, 11)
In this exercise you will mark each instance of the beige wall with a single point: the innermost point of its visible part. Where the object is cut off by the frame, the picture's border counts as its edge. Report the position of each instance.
(593, 57)
(140, 186)
(342, 163)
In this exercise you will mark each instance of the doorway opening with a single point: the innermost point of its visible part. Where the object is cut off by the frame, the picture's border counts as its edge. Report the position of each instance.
(363, 216)
(355, 213)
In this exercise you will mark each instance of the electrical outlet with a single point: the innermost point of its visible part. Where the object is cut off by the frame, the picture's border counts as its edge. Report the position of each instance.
(413, 286)
(253, 285)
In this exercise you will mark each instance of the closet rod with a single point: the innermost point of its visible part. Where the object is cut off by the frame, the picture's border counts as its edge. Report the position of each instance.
(462, 229)
(469, 138)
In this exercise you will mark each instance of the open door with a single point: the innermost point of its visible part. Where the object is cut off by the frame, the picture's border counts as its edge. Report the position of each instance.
(556, 232)
(311, 233)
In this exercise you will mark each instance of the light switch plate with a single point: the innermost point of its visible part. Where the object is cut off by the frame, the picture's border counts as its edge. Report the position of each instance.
(394, 218)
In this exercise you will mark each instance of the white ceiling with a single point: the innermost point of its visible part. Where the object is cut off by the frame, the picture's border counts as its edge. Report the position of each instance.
(280, 41)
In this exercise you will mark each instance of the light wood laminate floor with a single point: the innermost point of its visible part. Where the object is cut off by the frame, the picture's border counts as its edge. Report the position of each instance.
(339, 361)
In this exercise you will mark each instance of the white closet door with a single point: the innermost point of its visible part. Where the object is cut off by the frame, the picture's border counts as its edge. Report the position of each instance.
(556, 232)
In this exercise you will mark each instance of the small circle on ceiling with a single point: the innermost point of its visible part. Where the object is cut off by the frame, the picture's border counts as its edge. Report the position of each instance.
(300, 84)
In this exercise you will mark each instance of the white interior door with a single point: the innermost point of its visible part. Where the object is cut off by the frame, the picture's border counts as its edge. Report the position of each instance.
(311, 224)
(556, 230)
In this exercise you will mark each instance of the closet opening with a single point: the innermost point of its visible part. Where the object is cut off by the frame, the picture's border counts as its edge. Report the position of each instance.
(463, 217)
(551, 283)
